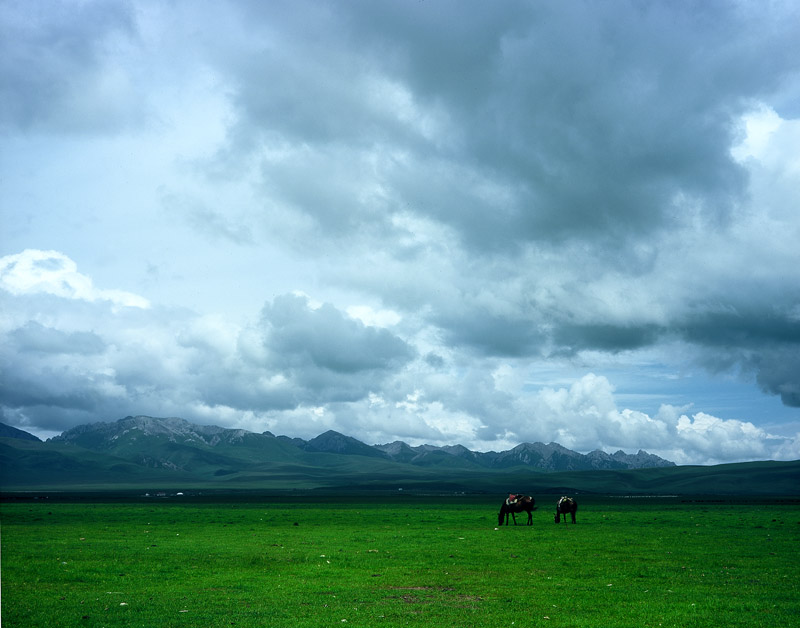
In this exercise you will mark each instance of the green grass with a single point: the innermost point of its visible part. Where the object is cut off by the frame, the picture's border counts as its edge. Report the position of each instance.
(398, 562)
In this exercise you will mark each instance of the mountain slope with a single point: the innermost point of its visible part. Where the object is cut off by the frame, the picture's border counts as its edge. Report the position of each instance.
(25, 463)
(336, 443)
(176, 444)
(6, 431)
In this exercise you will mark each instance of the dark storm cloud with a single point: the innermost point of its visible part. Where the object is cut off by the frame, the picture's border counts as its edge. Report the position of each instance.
(494, 334)
(763, 340)
(590, 111)
(749, 327)
(324, 338)
(309, 356)
(35, 385)
(605, 337)
(585, 117)
(36, 337)
(777, 373)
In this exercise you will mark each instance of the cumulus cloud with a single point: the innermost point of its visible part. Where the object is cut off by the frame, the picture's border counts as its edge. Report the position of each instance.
(587, 414)
(52, 272)
(171, 361)
(323, 337)
(305, 367)
(35, 337)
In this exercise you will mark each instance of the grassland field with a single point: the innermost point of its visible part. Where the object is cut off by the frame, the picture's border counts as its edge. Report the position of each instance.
(377, 561)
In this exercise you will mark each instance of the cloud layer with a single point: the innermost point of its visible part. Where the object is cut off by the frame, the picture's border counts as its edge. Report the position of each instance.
(441, 222)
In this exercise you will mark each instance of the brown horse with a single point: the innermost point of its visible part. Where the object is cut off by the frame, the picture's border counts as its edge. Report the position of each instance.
(566, 505)
(515, 504)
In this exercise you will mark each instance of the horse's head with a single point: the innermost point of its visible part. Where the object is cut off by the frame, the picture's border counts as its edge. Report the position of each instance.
(501, 514)
(558, 517)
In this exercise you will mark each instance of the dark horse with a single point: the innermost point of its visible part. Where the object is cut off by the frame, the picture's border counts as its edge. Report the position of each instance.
(566, 505)
(515, 504)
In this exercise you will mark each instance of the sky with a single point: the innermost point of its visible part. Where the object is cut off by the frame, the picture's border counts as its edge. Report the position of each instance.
(430, 221)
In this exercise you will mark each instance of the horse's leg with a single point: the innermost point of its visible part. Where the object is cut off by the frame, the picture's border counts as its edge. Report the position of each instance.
(530, 517)
(514, 517)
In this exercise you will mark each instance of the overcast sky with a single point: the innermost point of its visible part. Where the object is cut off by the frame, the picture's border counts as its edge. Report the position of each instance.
(441, 222)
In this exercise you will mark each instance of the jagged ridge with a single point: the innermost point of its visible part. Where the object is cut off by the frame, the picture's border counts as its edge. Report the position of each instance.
(551, 457)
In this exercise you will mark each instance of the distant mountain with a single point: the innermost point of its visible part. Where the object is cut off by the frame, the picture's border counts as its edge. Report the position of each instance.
(167, 442)
(552, 457)
(176, 444)
(128, 430)
(336, 443)
(639, 460)
(6, 431)
(153, 452)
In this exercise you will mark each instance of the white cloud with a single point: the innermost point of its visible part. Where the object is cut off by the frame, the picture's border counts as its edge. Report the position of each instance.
(206, 369)
(722, 440)
(586, 416)
(372, 317)
(759, 126)
(52, 272)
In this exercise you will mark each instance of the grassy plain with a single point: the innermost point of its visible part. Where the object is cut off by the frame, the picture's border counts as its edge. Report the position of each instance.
(400, 561)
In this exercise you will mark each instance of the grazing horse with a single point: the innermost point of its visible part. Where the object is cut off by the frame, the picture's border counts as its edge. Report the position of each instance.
(515, 504)
(566, 505)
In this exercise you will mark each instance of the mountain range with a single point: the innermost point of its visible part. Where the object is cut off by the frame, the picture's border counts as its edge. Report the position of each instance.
(146, 451)
(127, 438)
